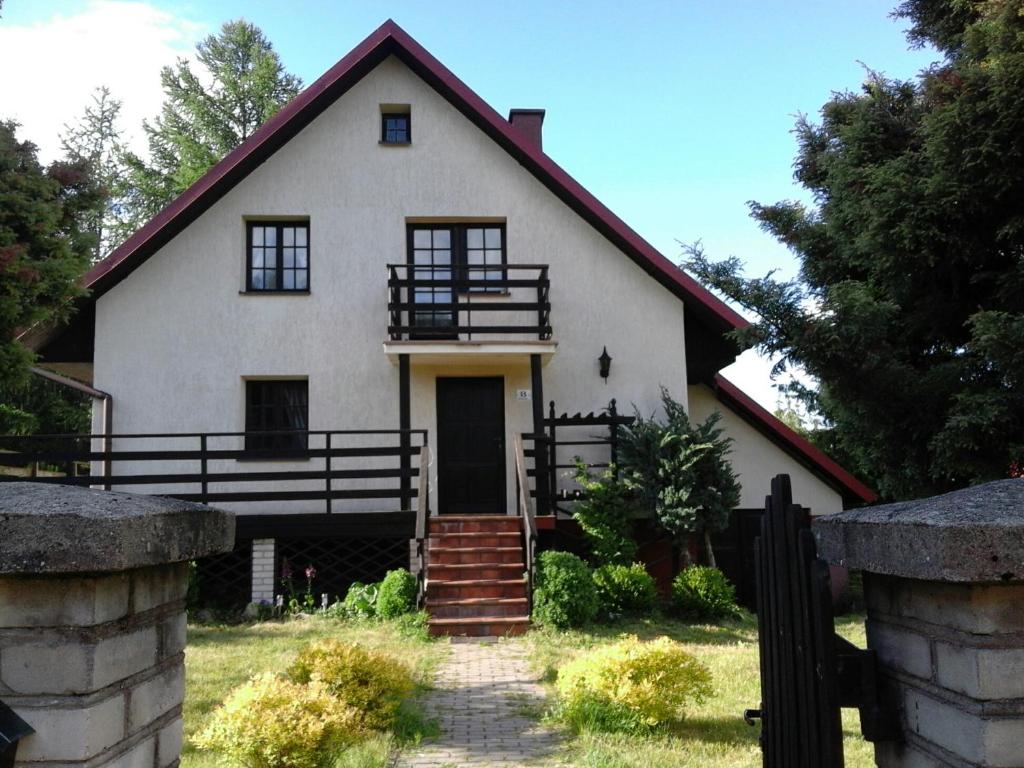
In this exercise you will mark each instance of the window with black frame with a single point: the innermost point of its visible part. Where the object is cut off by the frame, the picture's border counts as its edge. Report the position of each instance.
(274, 406)
(453, 253)
(277, 256)
(395, 128)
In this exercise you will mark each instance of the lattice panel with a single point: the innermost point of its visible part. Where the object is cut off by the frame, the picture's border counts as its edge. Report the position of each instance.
(339, 562)
(225, 581)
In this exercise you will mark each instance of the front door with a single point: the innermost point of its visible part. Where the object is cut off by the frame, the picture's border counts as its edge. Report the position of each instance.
(471, 445)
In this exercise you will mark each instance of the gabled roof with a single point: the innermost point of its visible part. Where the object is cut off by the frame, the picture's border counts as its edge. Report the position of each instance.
(388, 40)
(852, 490)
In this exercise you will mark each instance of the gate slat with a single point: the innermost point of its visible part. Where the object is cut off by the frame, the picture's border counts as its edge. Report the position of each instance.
(800, 715)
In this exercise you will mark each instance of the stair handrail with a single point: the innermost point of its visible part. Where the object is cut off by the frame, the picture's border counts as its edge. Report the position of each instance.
(526, 512)
(422, 513)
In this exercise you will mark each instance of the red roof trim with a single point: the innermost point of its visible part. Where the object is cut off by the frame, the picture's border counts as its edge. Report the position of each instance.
(789, 440)
(388, 39)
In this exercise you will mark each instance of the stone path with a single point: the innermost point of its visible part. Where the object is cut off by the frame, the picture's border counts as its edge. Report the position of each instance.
(487, 703)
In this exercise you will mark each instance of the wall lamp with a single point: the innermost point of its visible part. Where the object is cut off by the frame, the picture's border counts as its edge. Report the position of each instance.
(605, 361)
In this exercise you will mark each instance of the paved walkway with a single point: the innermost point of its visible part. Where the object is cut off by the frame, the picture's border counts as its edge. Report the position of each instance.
(487, 703)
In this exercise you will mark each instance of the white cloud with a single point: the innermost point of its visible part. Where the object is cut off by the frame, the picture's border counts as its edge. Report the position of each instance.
(51, 68)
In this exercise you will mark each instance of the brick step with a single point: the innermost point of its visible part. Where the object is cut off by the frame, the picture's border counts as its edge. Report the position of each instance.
(477, 539)
(475, 555)
(474, 524)
(487, 627)
(457, 572)
(477, 608)
(475, 588)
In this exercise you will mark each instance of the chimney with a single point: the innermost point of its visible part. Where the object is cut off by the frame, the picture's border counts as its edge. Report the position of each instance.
(528, 122)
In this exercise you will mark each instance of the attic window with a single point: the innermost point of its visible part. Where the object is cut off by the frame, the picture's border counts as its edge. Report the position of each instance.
(395, 126)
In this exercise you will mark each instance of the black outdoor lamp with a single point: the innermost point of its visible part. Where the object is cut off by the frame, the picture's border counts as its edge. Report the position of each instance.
(605, 361)
(12, 730)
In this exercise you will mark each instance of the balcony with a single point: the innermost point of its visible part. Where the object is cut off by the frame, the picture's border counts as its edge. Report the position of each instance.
(473, 313)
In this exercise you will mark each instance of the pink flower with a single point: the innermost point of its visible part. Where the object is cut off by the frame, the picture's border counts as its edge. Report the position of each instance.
(310, 572)
(286, 570)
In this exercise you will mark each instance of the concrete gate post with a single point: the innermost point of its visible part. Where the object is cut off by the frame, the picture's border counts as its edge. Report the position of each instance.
(92, 620)
(944, 589)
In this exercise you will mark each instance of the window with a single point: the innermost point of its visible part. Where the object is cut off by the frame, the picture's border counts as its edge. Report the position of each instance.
(395, 128)
(456, 253)
(272, 406)
(278, 256)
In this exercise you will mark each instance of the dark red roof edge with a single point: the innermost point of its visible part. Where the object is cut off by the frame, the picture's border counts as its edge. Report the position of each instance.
(388, 39)
(793, 443)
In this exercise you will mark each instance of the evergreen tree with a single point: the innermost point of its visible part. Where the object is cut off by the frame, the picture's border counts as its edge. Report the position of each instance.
(206, 114)
(95, 141)
(43, 248)
(909, 306)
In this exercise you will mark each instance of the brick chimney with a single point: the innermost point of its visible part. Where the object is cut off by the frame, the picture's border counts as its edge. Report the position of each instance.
(529, 123)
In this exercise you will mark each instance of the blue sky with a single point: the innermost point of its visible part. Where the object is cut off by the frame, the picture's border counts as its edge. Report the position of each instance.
(674, 114)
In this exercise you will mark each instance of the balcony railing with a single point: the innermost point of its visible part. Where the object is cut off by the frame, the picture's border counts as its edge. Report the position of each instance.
(221, 467)
(446, 302)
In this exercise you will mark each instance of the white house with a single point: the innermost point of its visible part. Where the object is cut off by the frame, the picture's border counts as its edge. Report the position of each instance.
(390, 256)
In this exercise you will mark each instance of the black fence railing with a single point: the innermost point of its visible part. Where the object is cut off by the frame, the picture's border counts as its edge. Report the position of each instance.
(594, 438)
(444, 301)
(218, 467)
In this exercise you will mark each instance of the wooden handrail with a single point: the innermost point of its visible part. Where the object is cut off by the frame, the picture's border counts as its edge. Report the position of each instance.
(422, 513)
(526, 512)
(423, 497)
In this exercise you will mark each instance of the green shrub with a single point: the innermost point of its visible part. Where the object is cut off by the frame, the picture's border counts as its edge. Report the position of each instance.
(630, 686)
(606, 516)
(704, 593)
(360, 601)
(370, 682)
(270, 722)
(397, 594)
(565, 595)
(625, 589)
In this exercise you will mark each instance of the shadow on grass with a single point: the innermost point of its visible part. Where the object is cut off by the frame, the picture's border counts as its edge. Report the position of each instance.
(724, 632)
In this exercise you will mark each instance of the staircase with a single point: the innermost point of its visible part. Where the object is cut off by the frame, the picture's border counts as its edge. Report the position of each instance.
(475, 576)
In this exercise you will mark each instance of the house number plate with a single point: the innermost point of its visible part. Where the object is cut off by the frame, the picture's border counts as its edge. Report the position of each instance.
(523, 394)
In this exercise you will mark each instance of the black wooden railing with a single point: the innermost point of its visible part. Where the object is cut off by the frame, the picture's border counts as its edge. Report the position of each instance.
(592, 437)
(217, 467)
(439, 302)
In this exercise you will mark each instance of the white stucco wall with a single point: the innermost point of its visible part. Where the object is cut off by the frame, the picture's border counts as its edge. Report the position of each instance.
(756, 460)
(176, 339)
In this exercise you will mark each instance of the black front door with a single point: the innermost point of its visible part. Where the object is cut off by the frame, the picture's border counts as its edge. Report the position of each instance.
(471, 445)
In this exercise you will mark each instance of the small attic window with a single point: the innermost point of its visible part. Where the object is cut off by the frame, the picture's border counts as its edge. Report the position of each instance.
(395, 124)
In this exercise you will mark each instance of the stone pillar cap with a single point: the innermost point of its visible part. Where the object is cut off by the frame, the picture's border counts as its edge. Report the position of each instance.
(972, 535)
(48, 529)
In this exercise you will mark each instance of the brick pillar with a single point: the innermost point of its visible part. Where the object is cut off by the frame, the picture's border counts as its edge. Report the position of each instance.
(92, 620)
(263, 575)
(944, 589)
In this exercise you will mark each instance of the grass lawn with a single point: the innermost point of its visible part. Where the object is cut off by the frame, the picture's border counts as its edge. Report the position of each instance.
(218, 658)
(714, 734)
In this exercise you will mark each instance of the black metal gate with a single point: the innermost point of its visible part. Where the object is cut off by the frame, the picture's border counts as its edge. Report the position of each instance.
(807, 672)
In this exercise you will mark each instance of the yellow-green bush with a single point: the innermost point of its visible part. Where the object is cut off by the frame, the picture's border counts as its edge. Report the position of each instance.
(271, 722)
(631, 686)
(371, 682)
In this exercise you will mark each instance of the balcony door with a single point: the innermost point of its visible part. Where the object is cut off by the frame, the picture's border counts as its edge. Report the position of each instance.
(452, 254)
(471, 445)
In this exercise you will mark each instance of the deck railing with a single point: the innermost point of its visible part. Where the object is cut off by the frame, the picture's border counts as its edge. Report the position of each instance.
(440, 302)
(223, 467)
